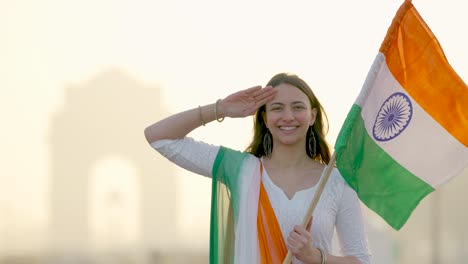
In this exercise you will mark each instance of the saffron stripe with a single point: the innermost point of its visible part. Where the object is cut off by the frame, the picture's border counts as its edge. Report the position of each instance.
(417, 61)
(273, 249)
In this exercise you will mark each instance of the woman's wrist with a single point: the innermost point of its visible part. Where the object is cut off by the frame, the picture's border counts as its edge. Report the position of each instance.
(323, 256)
(316, 256)
(219, 111)
(211, 112)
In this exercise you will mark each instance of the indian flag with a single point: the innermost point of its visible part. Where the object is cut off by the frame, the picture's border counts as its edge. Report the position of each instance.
(407, 132)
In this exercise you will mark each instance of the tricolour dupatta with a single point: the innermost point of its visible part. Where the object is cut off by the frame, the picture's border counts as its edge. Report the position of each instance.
(238, 197)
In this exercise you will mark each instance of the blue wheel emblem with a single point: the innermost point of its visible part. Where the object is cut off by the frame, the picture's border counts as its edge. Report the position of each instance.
(393, 117)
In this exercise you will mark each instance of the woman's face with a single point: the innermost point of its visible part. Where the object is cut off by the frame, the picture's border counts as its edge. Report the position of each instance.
(289, 115)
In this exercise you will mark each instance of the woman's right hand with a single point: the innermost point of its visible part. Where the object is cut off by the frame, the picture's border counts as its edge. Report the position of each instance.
(240, 104)
(246, 102)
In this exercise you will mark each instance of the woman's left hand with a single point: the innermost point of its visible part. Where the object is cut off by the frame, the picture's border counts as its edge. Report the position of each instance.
(300, 243)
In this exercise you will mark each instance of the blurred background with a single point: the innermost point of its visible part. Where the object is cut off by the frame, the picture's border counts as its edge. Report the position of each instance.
(80, 80)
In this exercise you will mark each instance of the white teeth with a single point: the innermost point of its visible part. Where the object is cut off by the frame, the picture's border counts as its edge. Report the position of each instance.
(287, 128)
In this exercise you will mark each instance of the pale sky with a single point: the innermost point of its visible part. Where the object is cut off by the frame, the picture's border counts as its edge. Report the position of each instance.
(196, 52)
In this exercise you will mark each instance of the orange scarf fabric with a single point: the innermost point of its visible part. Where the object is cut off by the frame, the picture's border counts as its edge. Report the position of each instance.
(273, 249)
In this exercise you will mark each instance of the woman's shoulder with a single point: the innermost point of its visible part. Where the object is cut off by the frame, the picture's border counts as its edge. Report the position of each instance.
(336, 178)
(338, 187)
(335, 184)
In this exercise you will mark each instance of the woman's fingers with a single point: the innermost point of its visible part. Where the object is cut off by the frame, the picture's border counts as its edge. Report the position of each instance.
(296, 245)
(253, 89)
(257, 96)
(299, 236)
(266, 99)
(300, 241)
(246, 102)
(262, 93)
(301, 230)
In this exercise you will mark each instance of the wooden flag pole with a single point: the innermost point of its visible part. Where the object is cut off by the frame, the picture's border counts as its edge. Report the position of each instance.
(323, 180)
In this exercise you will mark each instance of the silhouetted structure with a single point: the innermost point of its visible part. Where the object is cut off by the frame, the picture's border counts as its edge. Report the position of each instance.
(105, 117)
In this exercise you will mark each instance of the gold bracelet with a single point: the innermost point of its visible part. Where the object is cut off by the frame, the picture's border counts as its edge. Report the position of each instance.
(324, 257)
(201, 116)
(216, 111)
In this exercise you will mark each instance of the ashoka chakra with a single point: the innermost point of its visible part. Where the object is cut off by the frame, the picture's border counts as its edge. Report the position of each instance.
(393, 117)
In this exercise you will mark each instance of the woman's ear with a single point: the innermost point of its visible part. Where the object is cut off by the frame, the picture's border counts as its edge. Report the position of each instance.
(313, 115)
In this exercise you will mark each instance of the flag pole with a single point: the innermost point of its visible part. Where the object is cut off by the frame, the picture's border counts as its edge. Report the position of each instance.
(323, 180)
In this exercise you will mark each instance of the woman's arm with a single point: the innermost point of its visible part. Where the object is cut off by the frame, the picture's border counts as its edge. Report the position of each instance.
(350, 227)
(240, 104)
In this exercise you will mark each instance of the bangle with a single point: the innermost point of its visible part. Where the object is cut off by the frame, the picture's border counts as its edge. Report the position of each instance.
(216, 112)
(322, 254)
(201, 116)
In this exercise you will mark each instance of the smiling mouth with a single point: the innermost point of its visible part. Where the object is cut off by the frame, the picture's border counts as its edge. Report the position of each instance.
(287, 128)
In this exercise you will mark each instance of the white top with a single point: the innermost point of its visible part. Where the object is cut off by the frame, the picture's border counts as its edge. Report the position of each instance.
(338, 205)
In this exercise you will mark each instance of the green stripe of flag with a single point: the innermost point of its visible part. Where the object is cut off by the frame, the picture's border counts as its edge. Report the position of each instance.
(381, 183)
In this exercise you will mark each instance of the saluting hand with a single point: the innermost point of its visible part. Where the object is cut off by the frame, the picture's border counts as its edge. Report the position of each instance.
(246, 102)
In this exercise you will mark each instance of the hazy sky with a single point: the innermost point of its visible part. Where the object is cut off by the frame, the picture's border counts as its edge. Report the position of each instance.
(202, 50)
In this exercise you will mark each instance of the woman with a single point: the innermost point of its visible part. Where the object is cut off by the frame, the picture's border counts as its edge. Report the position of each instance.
(260, 196)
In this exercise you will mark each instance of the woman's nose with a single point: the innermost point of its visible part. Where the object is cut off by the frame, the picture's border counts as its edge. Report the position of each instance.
(288, 114)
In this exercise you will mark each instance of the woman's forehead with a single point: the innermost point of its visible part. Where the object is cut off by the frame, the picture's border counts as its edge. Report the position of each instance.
(289, 93)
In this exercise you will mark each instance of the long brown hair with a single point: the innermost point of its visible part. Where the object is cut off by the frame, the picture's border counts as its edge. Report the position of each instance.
(320, 126)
